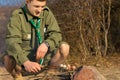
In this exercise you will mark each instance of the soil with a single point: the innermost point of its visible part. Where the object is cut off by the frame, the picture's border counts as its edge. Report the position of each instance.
(109, 67)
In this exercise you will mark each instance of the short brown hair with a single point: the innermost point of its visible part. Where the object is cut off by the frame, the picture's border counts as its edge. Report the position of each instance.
(41, 0)
(38, 0)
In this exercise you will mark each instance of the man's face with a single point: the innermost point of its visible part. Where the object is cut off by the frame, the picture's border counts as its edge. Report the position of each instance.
(35, 7)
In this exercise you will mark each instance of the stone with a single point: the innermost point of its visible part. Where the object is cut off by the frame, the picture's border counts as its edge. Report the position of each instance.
(87, 73)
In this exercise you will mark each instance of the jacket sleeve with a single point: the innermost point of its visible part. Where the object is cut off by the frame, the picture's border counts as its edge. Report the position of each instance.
(14, 39)
(53, 32)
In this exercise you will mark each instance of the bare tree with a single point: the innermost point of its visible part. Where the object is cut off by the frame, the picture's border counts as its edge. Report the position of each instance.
(106, 25)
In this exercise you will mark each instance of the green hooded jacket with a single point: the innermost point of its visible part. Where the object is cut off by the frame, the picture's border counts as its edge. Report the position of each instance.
(21, 39)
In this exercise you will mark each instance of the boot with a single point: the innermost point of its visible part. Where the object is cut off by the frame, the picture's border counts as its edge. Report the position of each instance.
(18, 77)
(18, 74)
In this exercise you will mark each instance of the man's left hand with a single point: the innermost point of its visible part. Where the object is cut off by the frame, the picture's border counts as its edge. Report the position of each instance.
(41, 51)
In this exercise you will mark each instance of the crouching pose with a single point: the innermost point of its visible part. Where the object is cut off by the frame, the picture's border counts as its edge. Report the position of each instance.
(33, 39)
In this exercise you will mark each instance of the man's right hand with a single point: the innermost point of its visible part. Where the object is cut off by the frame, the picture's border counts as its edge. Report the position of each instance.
(32, 66)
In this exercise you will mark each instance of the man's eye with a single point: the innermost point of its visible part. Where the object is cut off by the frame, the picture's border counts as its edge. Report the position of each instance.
(42, 6)
(37, 6)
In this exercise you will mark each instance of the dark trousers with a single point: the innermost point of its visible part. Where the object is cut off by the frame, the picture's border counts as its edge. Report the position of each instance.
(11, 66)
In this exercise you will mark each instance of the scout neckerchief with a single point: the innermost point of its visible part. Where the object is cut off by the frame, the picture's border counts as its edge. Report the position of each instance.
(37, 29)
(36, 26)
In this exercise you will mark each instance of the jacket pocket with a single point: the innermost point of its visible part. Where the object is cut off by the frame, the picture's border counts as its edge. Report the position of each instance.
(26, 41)
(26, 36)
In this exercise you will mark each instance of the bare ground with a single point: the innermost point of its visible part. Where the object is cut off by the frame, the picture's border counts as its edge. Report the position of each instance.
(109, 67)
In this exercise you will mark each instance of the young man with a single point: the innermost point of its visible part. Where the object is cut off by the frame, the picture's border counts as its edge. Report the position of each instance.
(33, 39)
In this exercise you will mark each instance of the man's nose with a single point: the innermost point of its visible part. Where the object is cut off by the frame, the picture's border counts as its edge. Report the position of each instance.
(40, 9)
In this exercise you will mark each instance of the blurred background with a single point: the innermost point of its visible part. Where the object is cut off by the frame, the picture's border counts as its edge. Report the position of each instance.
(11, 2)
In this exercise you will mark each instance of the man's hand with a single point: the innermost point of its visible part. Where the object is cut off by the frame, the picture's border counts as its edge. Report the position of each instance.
(41, 51)
(32, 66)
